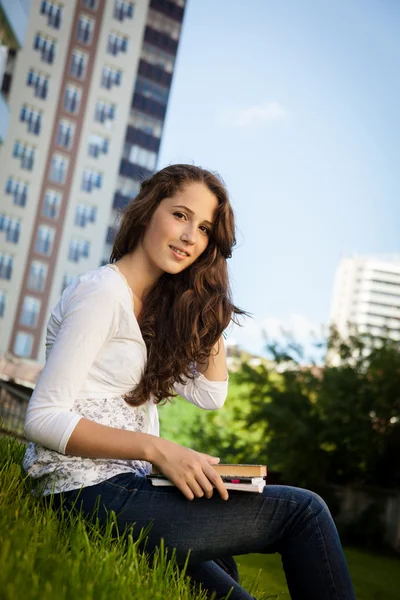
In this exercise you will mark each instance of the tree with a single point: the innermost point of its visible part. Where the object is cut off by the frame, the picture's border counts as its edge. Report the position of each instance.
(338, 423)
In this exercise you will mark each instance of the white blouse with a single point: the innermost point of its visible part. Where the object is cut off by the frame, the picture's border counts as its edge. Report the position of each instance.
(95, 353)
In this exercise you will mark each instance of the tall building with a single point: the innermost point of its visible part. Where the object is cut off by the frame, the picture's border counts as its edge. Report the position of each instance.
(89, 99)
(14, 15)
(367, 294)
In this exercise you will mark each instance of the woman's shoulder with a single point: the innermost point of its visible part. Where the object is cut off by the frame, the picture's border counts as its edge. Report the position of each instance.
(101, 281)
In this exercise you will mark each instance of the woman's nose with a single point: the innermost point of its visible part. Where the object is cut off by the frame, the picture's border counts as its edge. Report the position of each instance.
(189, 235)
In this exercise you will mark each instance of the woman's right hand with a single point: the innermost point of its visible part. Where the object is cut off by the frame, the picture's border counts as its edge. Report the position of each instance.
(190, 471)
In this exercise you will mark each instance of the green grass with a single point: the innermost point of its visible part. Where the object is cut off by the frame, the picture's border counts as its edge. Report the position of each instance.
(374, 577)
(45, 557)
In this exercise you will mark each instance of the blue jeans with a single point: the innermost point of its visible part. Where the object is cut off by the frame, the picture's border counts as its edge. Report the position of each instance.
(289, 520)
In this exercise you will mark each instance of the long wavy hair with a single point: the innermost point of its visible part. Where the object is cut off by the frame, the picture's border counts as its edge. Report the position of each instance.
(184, 315)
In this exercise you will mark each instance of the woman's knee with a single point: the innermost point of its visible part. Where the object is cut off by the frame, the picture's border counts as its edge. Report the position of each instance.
(307, 499)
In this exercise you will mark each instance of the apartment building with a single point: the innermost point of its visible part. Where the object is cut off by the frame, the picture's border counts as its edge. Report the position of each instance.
(89, 97)
(367, 294)
(14, 15)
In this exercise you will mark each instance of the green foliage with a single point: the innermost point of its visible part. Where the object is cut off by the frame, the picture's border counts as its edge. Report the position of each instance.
(339, 423)
(225, 432)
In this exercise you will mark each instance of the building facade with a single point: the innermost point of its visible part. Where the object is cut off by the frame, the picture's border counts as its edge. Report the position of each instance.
(14, 15)
(89, 98)
(367, 295)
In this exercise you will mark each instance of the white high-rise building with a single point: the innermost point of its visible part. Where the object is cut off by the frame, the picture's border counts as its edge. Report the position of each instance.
(88, 101)
(367, 294)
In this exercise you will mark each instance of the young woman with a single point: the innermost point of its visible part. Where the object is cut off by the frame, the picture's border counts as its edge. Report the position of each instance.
(130, 334)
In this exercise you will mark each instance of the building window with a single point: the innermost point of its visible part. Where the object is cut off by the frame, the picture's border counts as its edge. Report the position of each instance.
(53, 12)
(23, 344)
(6, 266)
(2, 303)
(149, 125)
(44, 240)
(51, 204)
(65, 133)
(46, 46)
(139, 156)
(18, 189)
(117, 43)
(104, 112)
(85, 29)
(79, 62)
(26, 154)
(11, 228)
(40, 83)
(85, 214)
(110, 77)
(152, 90)
(91, 179)
(97, 145)
(67, 280)
(58, 169)
(32, 117)
(72, 99)
(78, 249)
(30, 311)
(123, 10)
(37, 276)
(92, 4)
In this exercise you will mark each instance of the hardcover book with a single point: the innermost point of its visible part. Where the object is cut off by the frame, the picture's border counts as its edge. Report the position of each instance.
(239, 477)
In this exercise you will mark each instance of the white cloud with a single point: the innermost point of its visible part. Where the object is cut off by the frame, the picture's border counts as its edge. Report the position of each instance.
(251, 336)
(252, 115)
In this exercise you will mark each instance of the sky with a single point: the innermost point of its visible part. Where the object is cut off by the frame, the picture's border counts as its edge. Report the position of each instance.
(296, 105)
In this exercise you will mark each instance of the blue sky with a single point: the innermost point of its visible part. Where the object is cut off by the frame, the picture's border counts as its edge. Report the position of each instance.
(296, 105)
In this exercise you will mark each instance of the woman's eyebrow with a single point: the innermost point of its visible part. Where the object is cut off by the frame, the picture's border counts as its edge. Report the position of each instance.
(191, 212)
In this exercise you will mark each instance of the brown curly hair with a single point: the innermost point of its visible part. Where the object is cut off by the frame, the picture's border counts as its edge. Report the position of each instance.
(185, 314)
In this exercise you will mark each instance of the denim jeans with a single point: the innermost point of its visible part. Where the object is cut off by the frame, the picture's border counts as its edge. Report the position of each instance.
(294, 522)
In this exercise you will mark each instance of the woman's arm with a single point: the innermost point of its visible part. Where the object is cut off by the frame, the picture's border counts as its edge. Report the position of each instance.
(216, 369)
(90, 319)
(210, 389)
(190, 471)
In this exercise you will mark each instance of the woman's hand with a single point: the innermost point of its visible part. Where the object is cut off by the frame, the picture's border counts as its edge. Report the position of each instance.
(189, 470)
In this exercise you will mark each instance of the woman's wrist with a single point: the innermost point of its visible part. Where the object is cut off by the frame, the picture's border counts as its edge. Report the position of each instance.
(153, 449)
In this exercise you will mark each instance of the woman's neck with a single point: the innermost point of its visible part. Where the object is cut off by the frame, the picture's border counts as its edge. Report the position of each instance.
(140, 274)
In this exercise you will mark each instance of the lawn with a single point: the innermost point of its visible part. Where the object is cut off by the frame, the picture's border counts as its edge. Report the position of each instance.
(43, 559)
(375, 577)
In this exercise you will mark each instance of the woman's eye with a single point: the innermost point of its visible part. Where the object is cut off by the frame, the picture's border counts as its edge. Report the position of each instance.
(179, 214)
(205, 229)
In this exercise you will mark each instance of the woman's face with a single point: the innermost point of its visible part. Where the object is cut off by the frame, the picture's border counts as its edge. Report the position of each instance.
(180, 227)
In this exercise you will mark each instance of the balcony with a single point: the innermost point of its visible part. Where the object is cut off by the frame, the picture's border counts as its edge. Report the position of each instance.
(155, 73)
(169, 9)
(149, 107)
(160, 40)
(134, 171)
(145, 140)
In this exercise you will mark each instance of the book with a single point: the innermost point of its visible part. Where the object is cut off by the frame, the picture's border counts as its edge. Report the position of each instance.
(241, 470)
(235, 470)
(242, 484)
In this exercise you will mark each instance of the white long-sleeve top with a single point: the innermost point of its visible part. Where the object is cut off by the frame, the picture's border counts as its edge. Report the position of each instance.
(95, 353)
